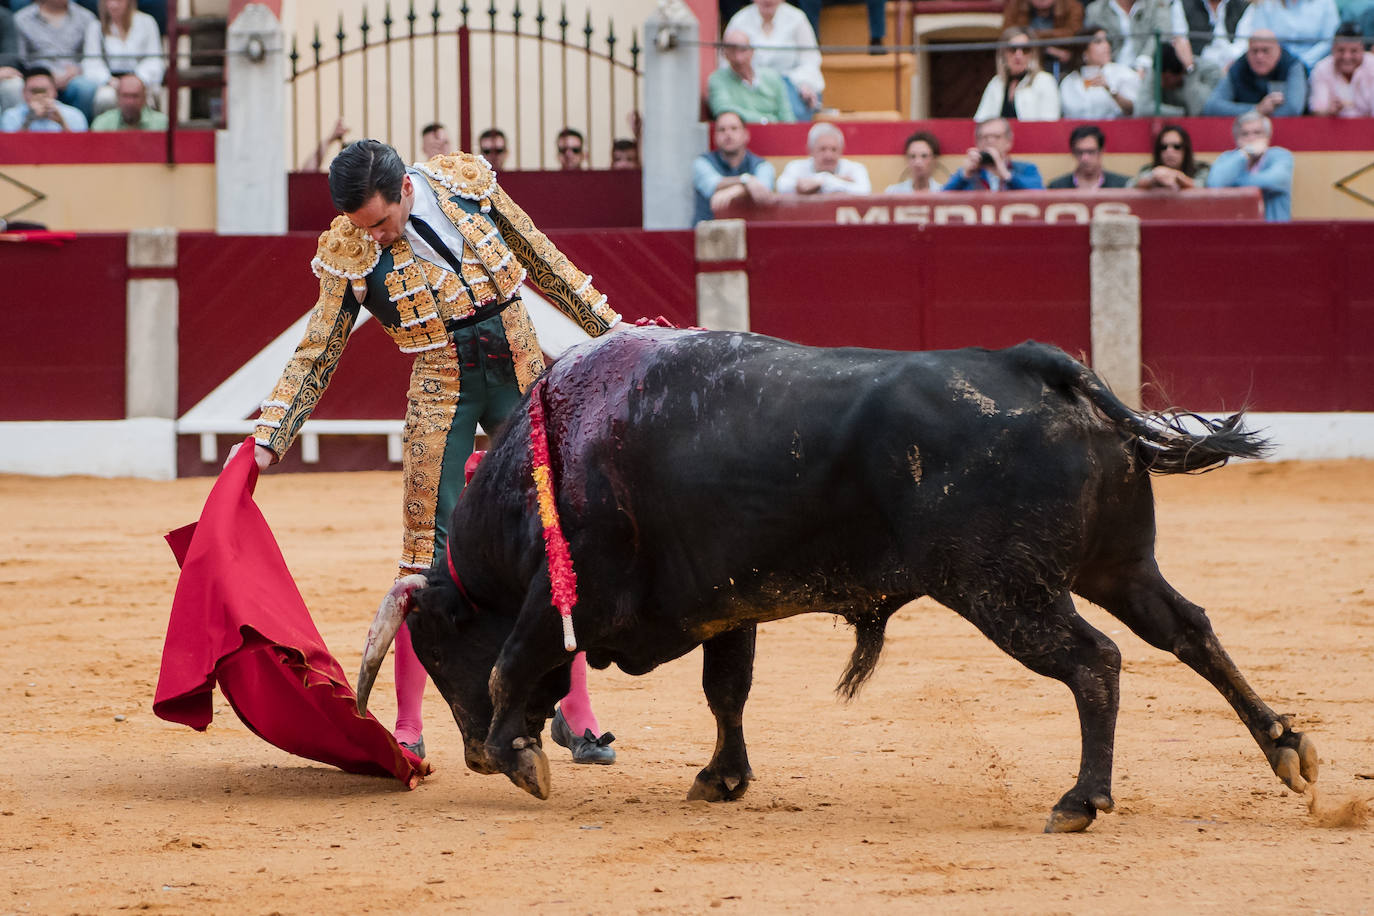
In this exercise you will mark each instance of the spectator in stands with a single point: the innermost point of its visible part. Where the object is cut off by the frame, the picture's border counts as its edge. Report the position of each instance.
(1020, 89)
(1047, 19)
(1099, 89)
(988, 164)
(1132, 24)
(11, 73)
(1086, 142)
(52, 34)
(824, 171)
(123, 40)
(1182, 92)
(624, 154)
(491, 143)
(131, 111)
(1256, 164)
(1269, 78)
(570, 145)
(1228, 22)
(41, 111)
(730, 170)
(1343, 84)
(783, 40)
(757, 94)
(319, 156)
(1304, 27)
(1173, 166)
(434, 140)
(921, 150)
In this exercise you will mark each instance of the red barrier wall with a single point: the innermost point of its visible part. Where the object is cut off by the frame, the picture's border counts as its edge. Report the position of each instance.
(916, 288)
(62, 339)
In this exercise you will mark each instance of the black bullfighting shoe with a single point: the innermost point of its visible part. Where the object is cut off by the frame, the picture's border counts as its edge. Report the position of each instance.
(586, 748)
(417, 748)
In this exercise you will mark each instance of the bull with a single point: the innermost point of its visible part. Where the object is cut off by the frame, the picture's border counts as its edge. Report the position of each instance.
(711, 481)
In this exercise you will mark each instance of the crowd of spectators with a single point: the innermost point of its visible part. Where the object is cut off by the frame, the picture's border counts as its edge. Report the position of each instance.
(64, 67)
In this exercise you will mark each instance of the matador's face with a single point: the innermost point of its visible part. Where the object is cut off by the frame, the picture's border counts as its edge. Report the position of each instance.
(384, 221)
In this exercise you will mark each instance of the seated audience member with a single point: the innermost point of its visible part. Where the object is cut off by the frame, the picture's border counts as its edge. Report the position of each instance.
(756, 94)
(1173, 166)
(1256, 164)
(1046, 19)
(1100, 89)
(319, 156)
(52, 35)
(624, 153)
(988, 165)
(1227, 21)
(1268, 78)
(921, 150)
(730, 170)
(783, 40)
(1086, 143)
(434, 140)
(491, 143)
(824, 171)
(131, 111)
(1342, 85)
(11, 75)
(1020, 89)
(1303, 27)
(1182, 92)
(1132, 24)
(40, 110)
(123, 40)
(569, 145)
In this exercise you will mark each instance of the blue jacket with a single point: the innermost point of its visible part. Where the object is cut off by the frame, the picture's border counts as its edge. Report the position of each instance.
(1242, 89)
(1024, 177)
(1274, 178)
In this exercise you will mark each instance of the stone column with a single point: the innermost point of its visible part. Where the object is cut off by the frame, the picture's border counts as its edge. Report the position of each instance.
(673, 132)
(150, 359)
(722, 294)
(1115, 268)
(250, 155)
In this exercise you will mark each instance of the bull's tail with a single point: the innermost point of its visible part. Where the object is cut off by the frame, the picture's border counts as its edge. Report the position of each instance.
(870, 628)
(1166, 441)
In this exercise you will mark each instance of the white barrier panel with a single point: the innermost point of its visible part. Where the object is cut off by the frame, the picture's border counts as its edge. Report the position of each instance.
(144, 447)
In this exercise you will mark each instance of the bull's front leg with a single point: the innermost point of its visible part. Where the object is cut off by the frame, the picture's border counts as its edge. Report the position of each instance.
(727, 673)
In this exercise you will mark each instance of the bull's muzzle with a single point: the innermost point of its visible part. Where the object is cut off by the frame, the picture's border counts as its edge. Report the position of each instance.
(382, 633)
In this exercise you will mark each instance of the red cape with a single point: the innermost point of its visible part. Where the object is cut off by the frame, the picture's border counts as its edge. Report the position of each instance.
(238, 619)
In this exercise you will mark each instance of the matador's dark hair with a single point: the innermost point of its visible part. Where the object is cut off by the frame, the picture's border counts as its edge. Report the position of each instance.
(364, 168)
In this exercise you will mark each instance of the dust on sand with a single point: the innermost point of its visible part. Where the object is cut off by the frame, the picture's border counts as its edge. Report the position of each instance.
(929, 790)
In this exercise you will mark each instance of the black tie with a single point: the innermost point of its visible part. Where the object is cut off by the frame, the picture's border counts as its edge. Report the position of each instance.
(429, 235)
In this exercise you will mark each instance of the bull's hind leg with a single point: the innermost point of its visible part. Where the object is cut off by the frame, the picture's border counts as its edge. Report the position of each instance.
(727, 673)
(1145, 602)
(1054, 641)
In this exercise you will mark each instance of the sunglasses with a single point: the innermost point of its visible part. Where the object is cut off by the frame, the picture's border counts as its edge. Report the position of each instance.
(1017, 49)
(1086, 151)
(493, 150)
(570, 149)
(1171, 146)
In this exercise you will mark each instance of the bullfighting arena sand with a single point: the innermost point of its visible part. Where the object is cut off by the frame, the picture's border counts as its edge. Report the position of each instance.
(928, 792)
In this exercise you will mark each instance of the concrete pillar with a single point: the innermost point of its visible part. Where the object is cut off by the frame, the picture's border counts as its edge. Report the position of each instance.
(151, 303)
(1115, 268)
(722, 295)
(250, 155)
(673, 132)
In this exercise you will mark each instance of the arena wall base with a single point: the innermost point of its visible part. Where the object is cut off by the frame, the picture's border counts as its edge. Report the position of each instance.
(142, 447)
(1314, 436)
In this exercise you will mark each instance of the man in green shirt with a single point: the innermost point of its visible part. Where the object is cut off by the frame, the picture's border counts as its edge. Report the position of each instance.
(756, 94)
(131, 111)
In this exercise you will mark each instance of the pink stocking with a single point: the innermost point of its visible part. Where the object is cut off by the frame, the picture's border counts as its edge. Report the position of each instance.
(577, 705)
(410, 689)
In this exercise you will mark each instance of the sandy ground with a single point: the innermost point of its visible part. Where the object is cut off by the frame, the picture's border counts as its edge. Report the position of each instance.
(929, 791)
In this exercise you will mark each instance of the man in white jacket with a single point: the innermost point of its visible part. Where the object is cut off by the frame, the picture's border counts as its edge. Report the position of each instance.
(825, 171)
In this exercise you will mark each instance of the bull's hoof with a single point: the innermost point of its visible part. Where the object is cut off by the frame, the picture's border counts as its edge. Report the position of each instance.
(1073, 814)
(715, 787)
(531, 770)
(1294, 759)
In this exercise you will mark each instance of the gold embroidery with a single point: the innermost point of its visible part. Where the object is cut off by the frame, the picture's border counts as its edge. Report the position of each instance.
(345, 251)
(464, 174)
(524, 345)
(433, 401)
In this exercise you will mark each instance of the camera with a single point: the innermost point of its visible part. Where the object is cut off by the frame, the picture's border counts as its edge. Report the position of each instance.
(985, 158)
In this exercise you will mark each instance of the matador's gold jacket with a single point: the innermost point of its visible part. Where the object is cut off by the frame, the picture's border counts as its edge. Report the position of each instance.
(413, 299)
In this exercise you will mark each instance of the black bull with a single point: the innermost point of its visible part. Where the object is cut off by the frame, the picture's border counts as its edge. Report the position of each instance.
(709, 481)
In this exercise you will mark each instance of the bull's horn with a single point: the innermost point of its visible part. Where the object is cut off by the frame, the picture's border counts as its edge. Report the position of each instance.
(380, 636)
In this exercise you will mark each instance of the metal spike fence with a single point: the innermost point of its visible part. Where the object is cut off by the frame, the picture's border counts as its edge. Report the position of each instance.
(469, 72)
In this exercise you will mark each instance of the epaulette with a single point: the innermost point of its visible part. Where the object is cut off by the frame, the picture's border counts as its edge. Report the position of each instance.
(467, 175)
(348, 252)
